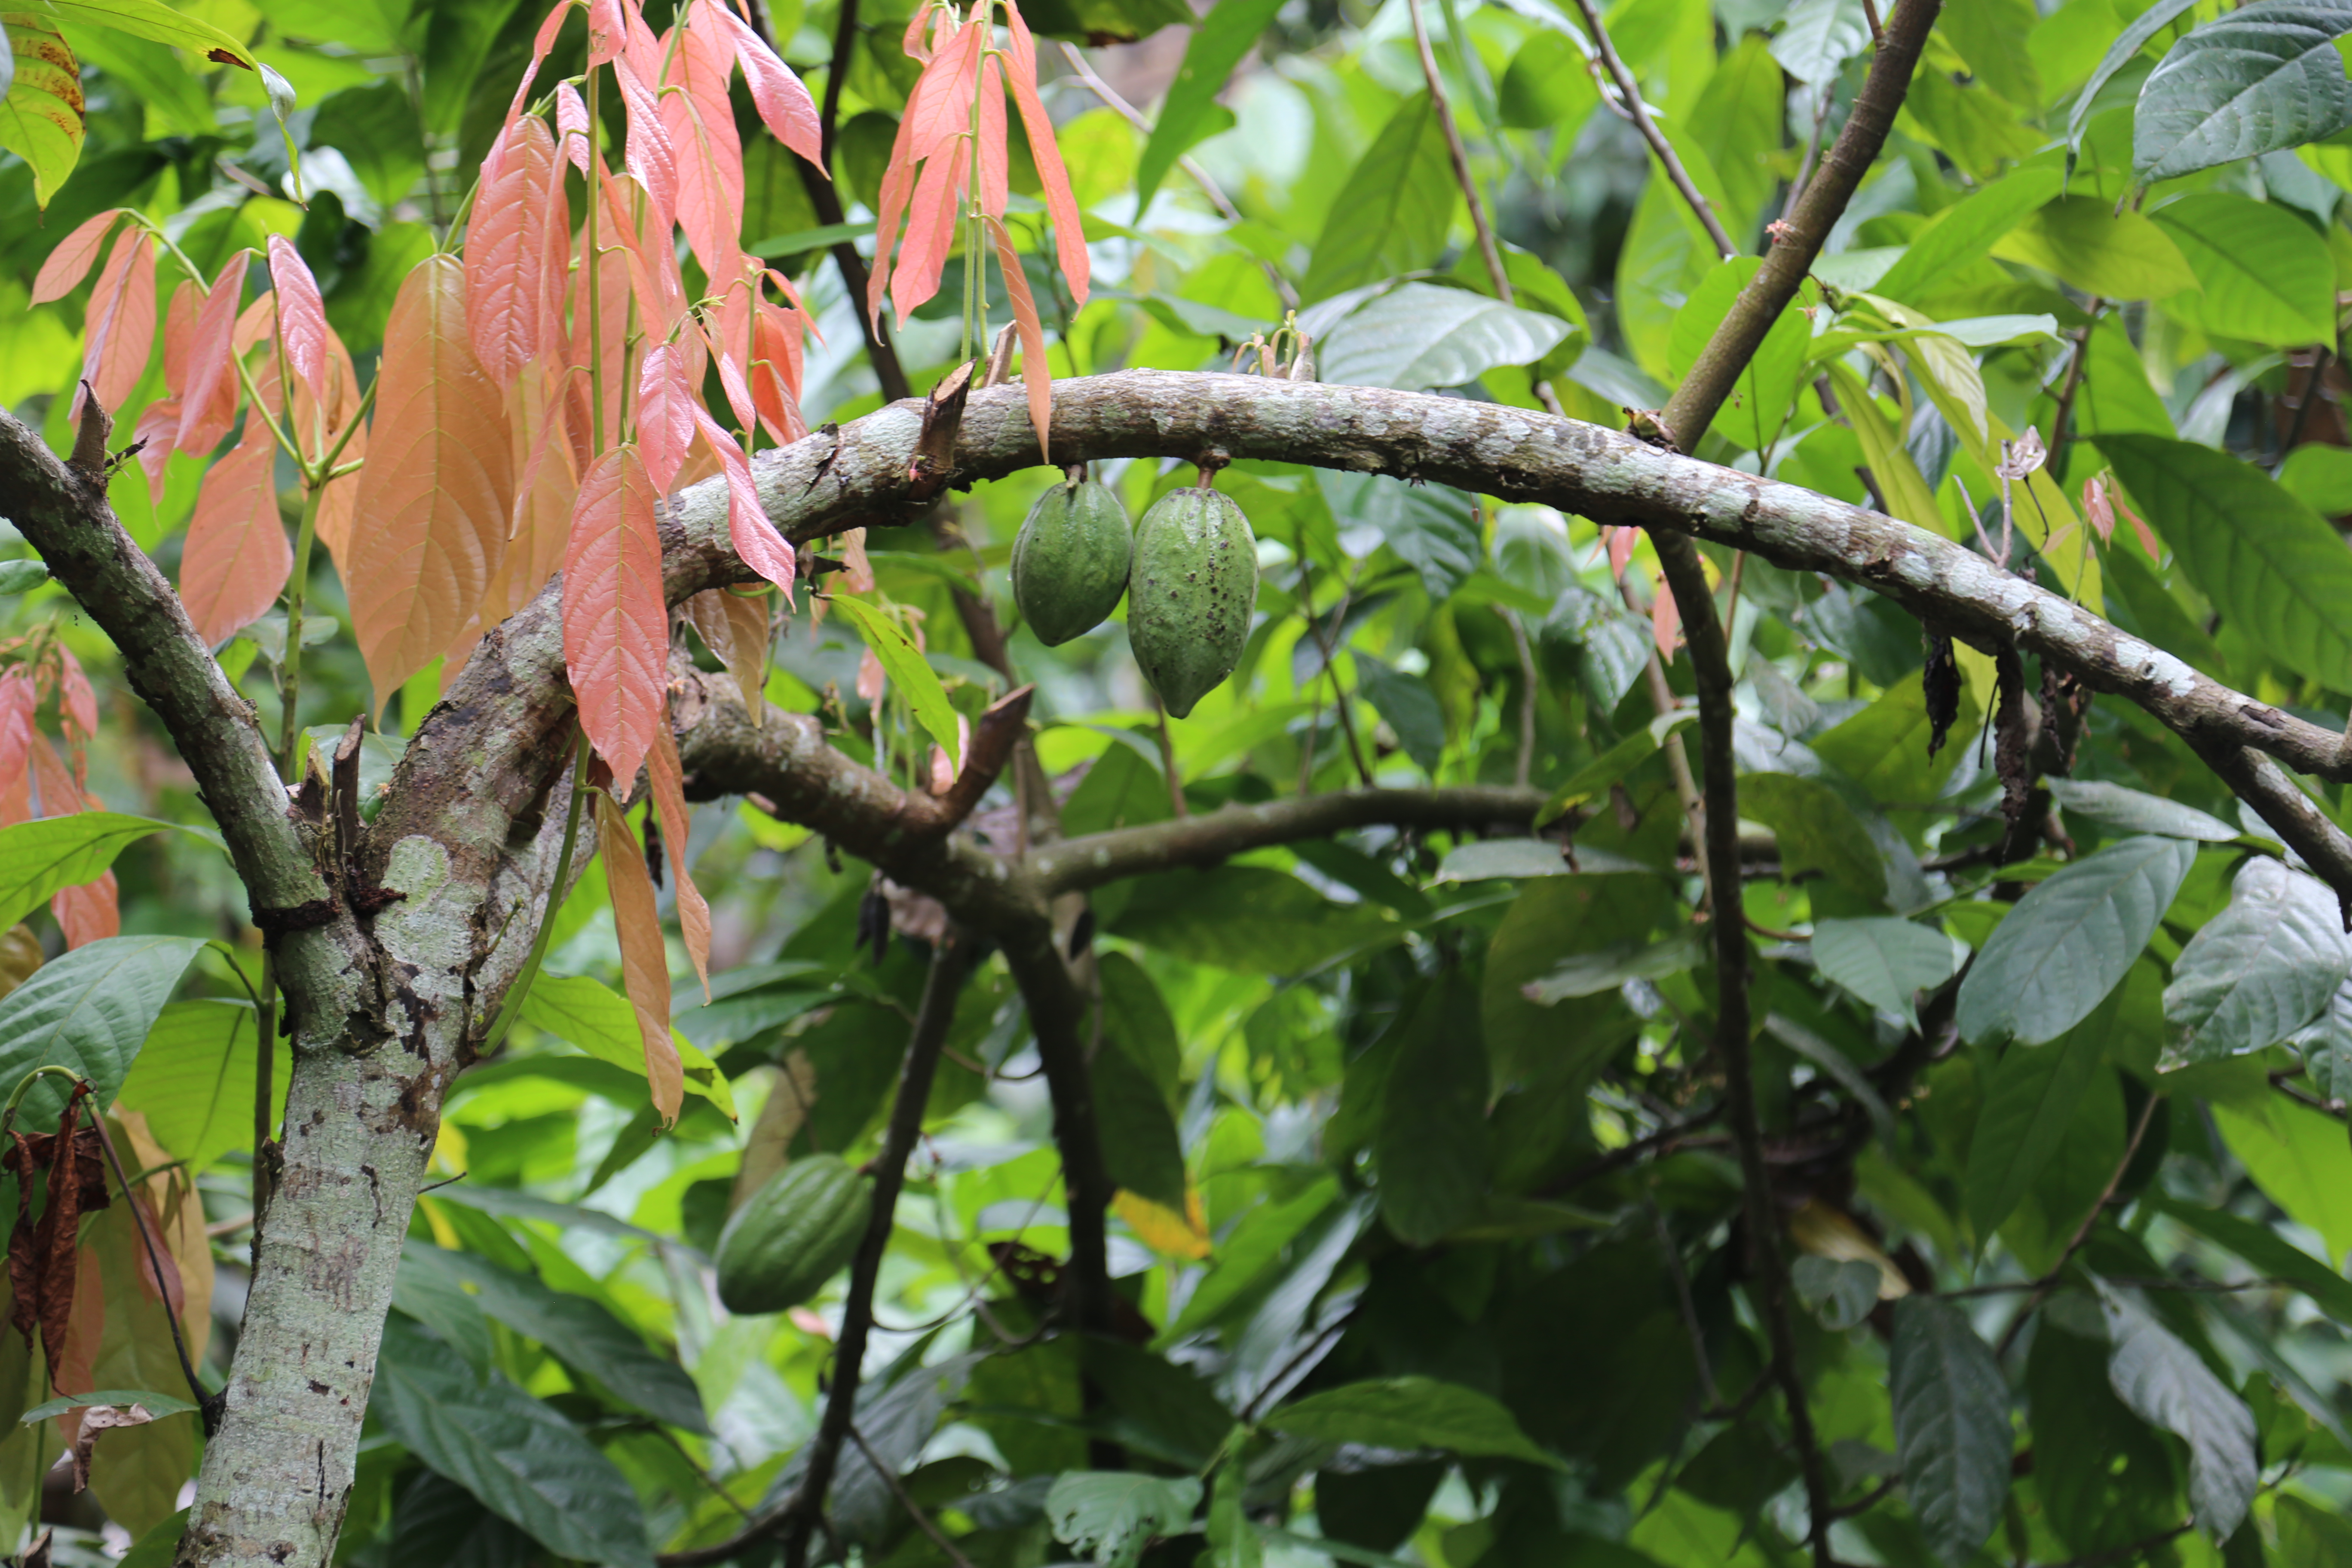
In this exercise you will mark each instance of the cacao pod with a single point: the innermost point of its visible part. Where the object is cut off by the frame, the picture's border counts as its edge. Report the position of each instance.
(791, 1235)
(1194, 592)
(1070, 560)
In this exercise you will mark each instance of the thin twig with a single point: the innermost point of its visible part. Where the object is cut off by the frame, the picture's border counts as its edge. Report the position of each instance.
(1461, 156)
(1638, 112)
(1524, 768)
(940, 1538)
(208, 1406)
(2049, 1281)
(1673, 1257)
(2059, 422)
(2312, 388)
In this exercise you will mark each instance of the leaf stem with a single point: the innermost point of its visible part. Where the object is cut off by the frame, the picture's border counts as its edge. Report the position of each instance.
(290, 666)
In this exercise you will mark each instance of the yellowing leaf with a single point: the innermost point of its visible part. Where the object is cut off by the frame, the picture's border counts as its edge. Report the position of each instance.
(41, 118)
(1162, 1229)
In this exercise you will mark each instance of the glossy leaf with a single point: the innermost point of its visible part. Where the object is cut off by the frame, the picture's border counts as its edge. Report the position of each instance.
(90, 1011)
(2265, 275)
(2134, 811)
(2260, 970)
(1392, 213)
(195, 1079)
(1418, 336)
(507, 256)
(430, 522)
(41, 115)
(615, 622)
(2264, 77)
(302, 330)
(2069, 940)
(1952, 1424)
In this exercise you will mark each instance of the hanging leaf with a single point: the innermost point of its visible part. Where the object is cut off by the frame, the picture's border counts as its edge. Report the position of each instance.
(2260, 970)
(615, 623)
(118, 333)
(236, 558)
(208, 399)
(783, 103)
(1952, 1424)
(2069, 940)
(2165, 1383)
(41, 117)
(1886, 963)
(429, 526)
(195, 1079)
(301, 315)
(1411, 1413)
(90, 1011)
(507, 255)
(76, 254)
(1037, 375)
(906, 667)
(662, 767)
(644, 962)
(1391, 214)
(700, 124)
(2250, 81)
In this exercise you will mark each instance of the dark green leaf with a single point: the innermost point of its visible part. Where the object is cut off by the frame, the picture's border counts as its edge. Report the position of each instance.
(2069, 941)
(1434, 1148)
(39, 858)
(1884, 748)
(1247, 917)
(1136, 1020)
(1410, 707)
(2027, 1107)
(1840, 1294)
(1952, 1424)
(1411, 1413)
(1115, 1514)
(1391, 214)
(2260, 970)
(2131, 811)
(524, 1462)
(2269, 1254)
(2250, 81)
(1885, 962)
(2126, 46)
(1816, 829)
(90, 1010)
(1138, 1137)
(1434, 529)
(2165, 1383)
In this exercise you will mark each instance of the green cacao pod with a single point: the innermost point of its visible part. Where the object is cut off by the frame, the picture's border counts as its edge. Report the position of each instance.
(1069, 563)
(1194, 590)
(791, 1235)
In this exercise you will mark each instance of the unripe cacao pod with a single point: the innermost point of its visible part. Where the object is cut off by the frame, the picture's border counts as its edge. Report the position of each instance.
(1070, 560)
(1194, 591)
(791, 1235)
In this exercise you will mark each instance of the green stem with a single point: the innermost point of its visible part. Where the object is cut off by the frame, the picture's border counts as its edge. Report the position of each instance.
(519, 987)
(25, 1085)
(289, 682)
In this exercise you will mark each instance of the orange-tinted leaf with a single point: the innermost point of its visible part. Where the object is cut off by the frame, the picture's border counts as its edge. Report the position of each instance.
(89, 912)
(544, 497)
(755, 538)
(648, 154)
(62, 795)
(615, 621)
(857, 569)
(237, 559)
(665, 414)
(572, 125)
(119, 330)
(669, 778)
(1070, 234)
(507, 255)
(318, 428)
(938, 110)
(699, 122)
(611, 322)
(1665, 622)
(540, 45)
(18, 697)
(776, 373)
(734, 626)
(70, 262)
(993, 171)
(301, 315)
(782, 100)
(644, 962)
(430, 525)
(179, 327)
(1036, 373)
(209, 396)
(158, 427)
(75, 701)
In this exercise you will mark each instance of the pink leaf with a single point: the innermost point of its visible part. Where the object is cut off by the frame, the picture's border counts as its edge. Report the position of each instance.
(939, 110)
(540, 46)
(544, 497)
(77, 703)
(763, 549)
(700, 124)
(120, 332)
(649, 153)
(18, 697)
(70, 262)
(1665, 622)
(301, 315)
(615, 620)
(572, 125)
(871, 681)
(669, 779)
(776, 373)
(90, 913)
(644, 964)
(782, 100)
(1036, 374)
(665, 415)
(507, 255)
(209, 405)
(159, 424)
(1070, 234)
(237, 559)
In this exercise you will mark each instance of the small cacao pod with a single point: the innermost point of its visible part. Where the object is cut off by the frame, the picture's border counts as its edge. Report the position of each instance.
(1194, 592)
(1070, 560)
(791, 1235)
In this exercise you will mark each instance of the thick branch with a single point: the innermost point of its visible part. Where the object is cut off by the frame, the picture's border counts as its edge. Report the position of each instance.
(1100, 858)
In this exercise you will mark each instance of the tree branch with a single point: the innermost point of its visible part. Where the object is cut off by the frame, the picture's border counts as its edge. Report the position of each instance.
(1638, 112)
(1100, 858)
(1461, 156)
(796, 1518)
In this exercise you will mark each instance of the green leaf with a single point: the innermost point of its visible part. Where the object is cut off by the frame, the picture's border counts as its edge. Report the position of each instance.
(1991, 35)
(1885, 962)
(1251, 1252)
(1140, 1147)
(2264, 77)
(1234, 1539)
(1818, 37)
(2029, 1105)
(2133, 811)
(376, 130)
(1606, 969)
(1391, 214)
(588, 1013)
(1592, 779)
(157, 1404)
(1113, 1515)
(2260, 970)
(41, 117)
(2166, 1384)
(1839, 1293)
(1547, 87)
(437, 1298)
(90, 1010)
(1136, 1020)
(522, 1459)
(1219, 41)
(2121, 53)
(1249, 918)
(153, 20)
(1432, 527)
(2271, 1254)
(1952, 1424)
(2297, 1157)
(1420, 336)
(1816, 829)
(39, 858)
(581, 1332)
(193, 1080)
(1767, 387)
(2082, 239)
(1411, 1413)
(2327, 1046)
(1553, 918)
(21, 577)
(1434, 1148)
(905, 664)
(2267, 277)
(2069, 940)
(1410, 707)
(1884, 748)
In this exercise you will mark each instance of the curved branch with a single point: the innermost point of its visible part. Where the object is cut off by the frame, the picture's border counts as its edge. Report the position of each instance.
(1099, 858)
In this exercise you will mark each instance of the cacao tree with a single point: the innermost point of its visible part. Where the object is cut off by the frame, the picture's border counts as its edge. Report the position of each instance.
(1680, 897)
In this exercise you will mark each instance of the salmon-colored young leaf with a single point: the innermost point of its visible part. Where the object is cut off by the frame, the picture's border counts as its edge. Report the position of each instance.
(237, 560)
(783, 102)
(776, 373)
(543, 497)
(699, 121)
(1036, 373)
(18, 699)
(939, 112)
(90, 913)
(120, 332)
(649, 154)
(507, 255)
(77, 703)
(301, 315)
(70, 262)
(615, 621)
(429, 528)
(669, 778)
(1069, 233)
(208, 399)
(644, 961)
(665, 414)
(755, 538)
(572, 125)
(734, 626)
(318, 424)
